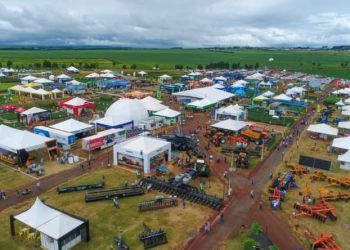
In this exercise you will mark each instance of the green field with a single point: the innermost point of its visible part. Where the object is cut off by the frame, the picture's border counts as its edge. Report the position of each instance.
(330, 63)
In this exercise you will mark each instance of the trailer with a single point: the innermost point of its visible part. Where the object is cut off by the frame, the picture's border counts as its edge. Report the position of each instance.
(158, 203)
(152, 238)
(108, 194)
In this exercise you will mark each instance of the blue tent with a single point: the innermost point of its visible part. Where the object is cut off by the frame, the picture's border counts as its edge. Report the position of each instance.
(113, 84)
(240, 92)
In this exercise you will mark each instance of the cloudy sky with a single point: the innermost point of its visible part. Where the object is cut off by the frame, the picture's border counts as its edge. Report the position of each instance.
(175, 23)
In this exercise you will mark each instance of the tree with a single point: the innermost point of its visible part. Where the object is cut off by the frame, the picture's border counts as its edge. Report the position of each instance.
(273, 247)
(124, 66)
(9, 63)
(54, 65)
(200, 66)
(63, 66)
(80, 64)
(133, 66)
(256, 66)
(46, 64)
(0, 64)
(250, 244)
(255, 228)
(114, 63)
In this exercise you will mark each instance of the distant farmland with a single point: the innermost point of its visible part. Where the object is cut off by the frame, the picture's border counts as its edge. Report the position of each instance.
(329, 63)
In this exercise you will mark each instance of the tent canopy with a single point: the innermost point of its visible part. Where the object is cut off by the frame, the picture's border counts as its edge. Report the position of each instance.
(323, 129)
(144, 144)
(72, 126)
(14, 139)
(112, 121)
(201, 104)
(152, 104)
(344, 125)
(33, 111)
(268, 93)
(231, 125)
(342, 143)
(206, 92)
(168, 113)
(48, 220)
(344, 157)
(261, 98)
(282, 97)
(232, 110)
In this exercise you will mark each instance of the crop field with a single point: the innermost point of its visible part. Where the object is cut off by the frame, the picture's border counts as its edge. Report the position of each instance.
(329, 63)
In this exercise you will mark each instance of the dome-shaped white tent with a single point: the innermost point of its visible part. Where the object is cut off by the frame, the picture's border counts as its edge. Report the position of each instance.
(128, 109)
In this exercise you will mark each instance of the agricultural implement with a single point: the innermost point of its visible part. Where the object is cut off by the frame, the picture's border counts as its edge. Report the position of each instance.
(159, 203)
(108, 194)
(298, 170)
(323, 242)
(277, 194)
(184, 143)
(242, 160)
(152, 238)
(285, 181)
(185, 192)
(81, 187)
(343, 182)
(120, 243)
(336, 197)
(320, 211)
(255, 133)
(318, 176)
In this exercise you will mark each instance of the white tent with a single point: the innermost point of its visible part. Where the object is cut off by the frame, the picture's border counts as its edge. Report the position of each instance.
(345, 160)
(237, 85)
(268, 93)
(93, 75)
(72, 126)
(14, 139)
(142, 73)
(63, 77)
(205, 80)
(43, 81)
(52, 225)
(73, 69)
(206, 92)
(265, 84)
(282, 97)
(203, 103)
(346, 112)
(342, 143)
(128, 110)
(167, 113)
(242, 82)
(76, 101)
(107, 75)
(347, 101)
(33, 111)
(2, 75)
(256, 76)
(340, 103)
(114, 122)
(164, 77)
(260, 98)
(151, 104)
(106, 71)
(344, 125)
(235, 111)
(231, 125)
(323, 128)
(218, 86)
(141, 149)
(28, 79)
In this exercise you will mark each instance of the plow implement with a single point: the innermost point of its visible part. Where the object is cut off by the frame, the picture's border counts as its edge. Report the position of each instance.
(277, 194)
(185, 192)
(320, 211)
(152, 238)
(323, 242)
(81, 187)
(336, 197)
(108, 194)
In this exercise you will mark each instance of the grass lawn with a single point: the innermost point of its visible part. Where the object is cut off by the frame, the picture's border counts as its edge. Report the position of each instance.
(5, 85)
(10, 178)
(9, 116)
(107, 221)
(59, 115)
(261, 115)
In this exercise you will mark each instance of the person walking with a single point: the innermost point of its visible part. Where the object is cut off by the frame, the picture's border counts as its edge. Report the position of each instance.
(252, 194)
(271, 175)
(252, 181)
(221, 217)
(183, 203)
(261, 205)
(38, 185)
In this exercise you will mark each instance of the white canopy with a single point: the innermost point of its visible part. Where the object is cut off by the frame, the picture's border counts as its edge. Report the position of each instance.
(261, 98)
(165, 77)
(342, 143)
(231, 125)
(195, 73)
(263, 83)
(268, 94)
(48, 220)
(206, 92)
(72, 126)
(2, 75)
(346, 112)
(220, 78)
(76, 101)
(202, 103)
(232, 110)
(63, 76)
(282, 97)
(344, 157)
(142, 73)
(14, 139)
(74, 82)
(43, 81)
(345, 125)
(93, 75)
(152, 104)
(42, 92)
(323, 128)
(206, 80)
(242, 82)
(340, 103)
(56, 91)
(107, 75)
(347, 101)
(112, 121)
(168, 113)
(32, 111)
(72, 69)
(106, 71)
(144, 144)
(29, 78)
(218, 86)
(256, 76)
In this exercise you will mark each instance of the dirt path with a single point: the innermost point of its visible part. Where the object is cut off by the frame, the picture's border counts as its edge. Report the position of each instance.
(242, 210)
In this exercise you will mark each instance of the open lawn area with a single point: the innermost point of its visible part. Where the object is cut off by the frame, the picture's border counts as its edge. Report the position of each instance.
(10, 178)
(106, 221)
(262, 115)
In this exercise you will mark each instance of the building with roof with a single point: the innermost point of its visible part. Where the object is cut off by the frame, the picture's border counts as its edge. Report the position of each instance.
(58, 229)
(79, 129)
(142, 152)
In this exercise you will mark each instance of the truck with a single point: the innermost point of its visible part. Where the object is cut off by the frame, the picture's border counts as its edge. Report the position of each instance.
(104, 139)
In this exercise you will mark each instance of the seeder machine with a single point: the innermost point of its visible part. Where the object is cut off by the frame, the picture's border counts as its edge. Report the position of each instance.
(108, 194)
(152, 238)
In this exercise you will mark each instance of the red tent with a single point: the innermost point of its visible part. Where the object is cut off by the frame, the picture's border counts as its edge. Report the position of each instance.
(19, 110)
(77, 104)
(9, 107)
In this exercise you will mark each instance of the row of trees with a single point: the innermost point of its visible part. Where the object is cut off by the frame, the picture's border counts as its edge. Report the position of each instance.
(46, 64)
(220, 65)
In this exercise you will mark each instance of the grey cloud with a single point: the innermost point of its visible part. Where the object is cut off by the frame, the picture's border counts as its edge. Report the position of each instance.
(164, 23)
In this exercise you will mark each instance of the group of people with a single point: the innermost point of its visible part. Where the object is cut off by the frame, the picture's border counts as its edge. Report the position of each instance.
(2, 195)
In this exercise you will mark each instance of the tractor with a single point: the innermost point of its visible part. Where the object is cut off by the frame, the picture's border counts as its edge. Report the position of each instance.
(242, 160)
